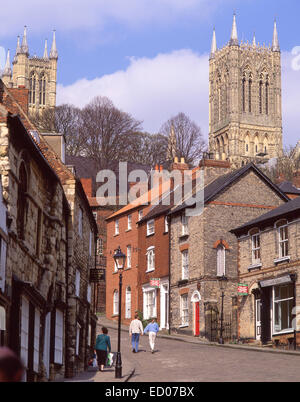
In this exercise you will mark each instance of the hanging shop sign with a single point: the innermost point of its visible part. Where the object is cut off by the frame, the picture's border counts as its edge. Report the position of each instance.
(276, 281)
(155, 282)
(243, 289)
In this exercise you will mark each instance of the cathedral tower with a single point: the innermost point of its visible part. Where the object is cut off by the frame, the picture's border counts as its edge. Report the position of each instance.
(245, 115)
(38, 74)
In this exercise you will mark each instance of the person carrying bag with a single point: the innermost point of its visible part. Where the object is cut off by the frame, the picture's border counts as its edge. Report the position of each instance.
(101, 348)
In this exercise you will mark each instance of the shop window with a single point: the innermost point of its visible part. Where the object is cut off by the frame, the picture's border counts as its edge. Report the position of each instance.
(283, 306)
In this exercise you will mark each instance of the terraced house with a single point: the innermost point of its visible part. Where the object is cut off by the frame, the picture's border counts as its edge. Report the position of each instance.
(268, 265)
(46, 292)
(203, 249)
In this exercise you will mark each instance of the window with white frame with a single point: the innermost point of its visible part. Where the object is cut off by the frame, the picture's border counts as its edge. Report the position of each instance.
(220, 260)
(2, 264)
(59, 337)
(91, 242)
(77, 283)
(99, 246)
(116, 302)
(128, 302)
(116, 226)
(283, 237)
(149, 303)
(184, 310)
(78, 328)
(128, 256)
(166, 224)
(140, 214)
(150, 259)
(255, 242)
(283, 297)
(184, 225)
(80, 221)
(150, 227)
(185, 264)
(129, 222)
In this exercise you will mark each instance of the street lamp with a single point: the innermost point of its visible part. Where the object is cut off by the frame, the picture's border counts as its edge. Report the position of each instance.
(119, 258)
(222, 283)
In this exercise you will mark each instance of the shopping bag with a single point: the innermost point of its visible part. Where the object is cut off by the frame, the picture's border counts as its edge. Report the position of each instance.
(110, 359)
(95, 362)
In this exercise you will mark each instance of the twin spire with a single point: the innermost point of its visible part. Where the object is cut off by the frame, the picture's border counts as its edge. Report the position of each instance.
(235, 42)
(24, 49)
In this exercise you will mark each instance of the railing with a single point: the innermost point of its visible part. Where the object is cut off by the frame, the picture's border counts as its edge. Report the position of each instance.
(213, 325)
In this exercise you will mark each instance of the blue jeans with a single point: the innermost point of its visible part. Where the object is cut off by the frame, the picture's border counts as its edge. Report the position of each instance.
(135, 341)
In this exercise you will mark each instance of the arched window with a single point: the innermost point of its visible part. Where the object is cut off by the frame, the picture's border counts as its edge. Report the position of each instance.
(260, 97)
(116, 302)
(22, 202)
(267, 96)
(220, 260)
(247, 143)
(150, 259)
(128, 302)
(32, 88)
(42, 90)
(244, 94)
(250, 93)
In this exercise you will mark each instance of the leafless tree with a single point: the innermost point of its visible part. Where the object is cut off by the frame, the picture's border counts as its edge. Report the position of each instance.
(285, 166)
(65, 119)
(107, 131)
(189, 141)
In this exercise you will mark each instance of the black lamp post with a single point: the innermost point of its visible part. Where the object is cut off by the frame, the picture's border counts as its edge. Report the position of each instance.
(119, 258)
(222, 283)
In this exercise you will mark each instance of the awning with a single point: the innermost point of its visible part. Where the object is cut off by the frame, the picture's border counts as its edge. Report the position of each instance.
(276, 281)
(2, 319)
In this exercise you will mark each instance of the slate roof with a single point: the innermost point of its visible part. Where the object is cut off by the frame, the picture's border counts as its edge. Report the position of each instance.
(218, 185)
(286, 210)
(288, 188)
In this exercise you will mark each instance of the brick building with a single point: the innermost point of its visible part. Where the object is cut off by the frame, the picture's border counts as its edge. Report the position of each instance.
(203, 248)
(268, 264)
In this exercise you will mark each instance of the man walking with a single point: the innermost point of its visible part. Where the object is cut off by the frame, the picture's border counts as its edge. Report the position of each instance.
(135, 330)
(153, 329)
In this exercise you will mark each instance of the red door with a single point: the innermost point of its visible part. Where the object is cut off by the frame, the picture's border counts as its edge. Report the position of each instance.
(197, 319)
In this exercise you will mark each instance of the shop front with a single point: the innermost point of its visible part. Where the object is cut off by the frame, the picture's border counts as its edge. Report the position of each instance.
(274, 322)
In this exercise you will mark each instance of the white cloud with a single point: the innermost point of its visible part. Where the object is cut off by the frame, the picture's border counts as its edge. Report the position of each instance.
(290, 100)
(66, 15)
(152, 90)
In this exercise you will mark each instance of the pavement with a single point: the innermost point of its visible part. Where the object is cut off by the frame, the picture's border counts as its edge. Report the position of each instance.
(134, 365)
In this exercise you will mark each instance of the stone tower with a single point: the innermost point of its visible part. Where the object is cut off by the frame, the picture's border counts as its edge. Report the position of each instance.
(38, 74)
(245, 115)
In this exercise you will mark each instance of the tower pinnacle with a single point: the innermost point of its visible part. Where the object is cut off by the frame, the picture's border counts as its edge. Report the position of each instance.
(234, 35)
(213, 44)
(275, 45)
(53, 51)
(24, 46)
(7, 68)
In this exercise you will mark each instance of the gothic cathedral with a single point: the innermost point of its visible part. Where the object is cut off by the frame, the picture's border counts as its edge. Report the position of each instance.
(245, 116)
(37, 74)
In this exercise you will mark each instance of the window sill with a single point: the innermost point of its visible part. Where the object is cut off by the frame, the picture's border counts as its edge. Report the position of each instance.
(182, 282)
(128, 230)
(183, 236)
(282, 259)
(150, 234)
(115, 315)
(150, 270)
(285, 332)
(165, 233)
(184, 326)
(255, 266)
(127, 269)
(116, 234)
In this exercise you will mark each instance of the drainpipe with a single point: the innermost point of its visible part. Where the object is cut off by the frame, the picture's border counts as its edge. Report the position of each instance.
(169, 290)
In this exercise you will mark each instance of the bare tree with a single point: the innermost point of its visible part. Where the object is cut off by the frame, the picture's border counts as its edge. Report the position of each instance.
(147, 149)
(65, 119)
(285, 166)
(107, 131)
(188, 142)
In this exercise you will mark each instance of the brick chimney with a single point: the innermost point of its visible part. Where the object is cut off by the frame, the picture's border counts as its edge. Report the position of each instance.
(87, 186)
(213, 169)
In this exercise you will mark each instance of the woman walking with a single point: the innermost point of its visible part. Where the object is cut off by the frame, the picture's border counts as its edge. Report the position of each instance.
(152, 329)
(101, 347)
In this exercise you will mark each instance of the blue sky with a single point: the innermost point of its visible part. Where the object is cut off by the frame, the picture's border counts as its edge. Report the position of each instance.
(151, 56)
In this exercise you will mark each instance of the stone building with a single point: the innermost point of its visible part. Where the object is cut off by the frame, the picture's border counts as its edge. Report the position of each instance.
(245, 101)
(202, 248)
(37, 74)
(51, 249)
(268, 266)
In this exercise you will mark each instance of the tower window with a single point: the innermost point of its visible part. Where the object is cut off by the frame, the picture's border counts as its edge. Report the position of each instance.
(42, 90)
(267, 97)
(260, 96)
(32, 88)
(250, 89)
(244, 94)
